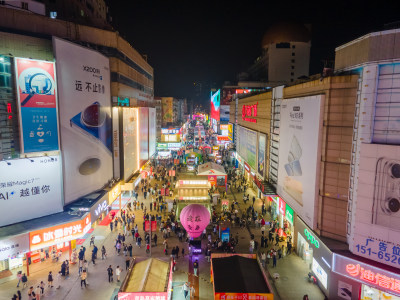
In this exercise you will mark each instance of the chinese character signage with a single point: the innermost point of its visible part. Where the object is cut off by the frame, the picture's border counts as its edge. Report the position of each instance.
(42, 238)
(243, 296)
(85, 118)
(142, 296)
(367, 274)
(289, 214)
(262, 147)
(249, 112)
(37, 101)
(29, 188)
(13, 246)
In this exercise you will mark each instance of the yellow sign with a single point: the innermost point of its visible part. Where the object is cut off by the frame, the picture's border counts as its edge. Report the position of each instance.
(114, 193)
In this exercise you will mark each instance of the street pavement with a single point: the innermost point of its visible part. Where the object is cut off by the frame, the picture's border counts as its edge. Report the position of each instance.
(292, 284)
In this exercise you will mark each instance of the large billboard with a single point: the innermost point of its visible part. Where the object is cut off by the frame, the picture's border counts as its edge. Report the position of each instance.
(299, 154)
(144, 134)
(262, 147)
(85, 118)
(130, 129)
(376, 234)
(29, 188)
(215, 105)
(167, 110)
(37, 102)
(152, 131)
(224, 113)
(247, 146)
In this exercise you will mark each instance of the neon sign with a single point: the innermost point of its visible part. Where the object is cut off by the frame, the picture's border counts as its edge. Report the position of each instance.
(249, 111)
(9, 111)
(371, 277)
(311, 238)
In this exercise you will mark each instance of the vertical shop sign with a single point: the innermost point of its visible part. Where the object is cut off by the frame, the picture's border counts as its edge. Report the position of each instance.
(289, 214)
(37, 102)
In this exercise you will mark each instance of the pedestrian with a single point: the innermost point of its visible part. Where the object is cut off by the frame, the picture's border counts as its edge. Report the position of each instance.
(111, 226)
(50, 279)
(93, 257)
(19, 277)
(277, 240)
(110, 274)
(58, 280)
(83, 278)
(183, 252)
(263, 258)
(38, 292)
(177, 251)
(185, 289)
(130, 248)
(280, 253)
(103, 252)
(274, 260)
(195, 267)
(86, 266)
(127, 262)
(91, 241)
(118, 273)
(31, 294)
(42, 285)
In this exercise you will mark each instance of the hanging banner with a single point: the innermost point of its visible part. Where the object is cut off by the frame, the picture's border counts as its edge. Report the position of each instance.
(37, 102)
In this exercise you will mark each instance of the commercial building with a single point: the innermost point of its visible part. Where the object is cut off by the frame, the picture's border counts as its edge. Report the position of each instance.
(61, 129)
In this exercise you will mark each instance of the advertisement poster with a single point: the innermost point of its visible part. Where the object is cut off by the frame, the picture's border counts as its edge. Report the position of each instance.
(215, 106)
(37, 102)
(167, 109)
(14, 246)
(247, 146)
(152, 131)
(224, 113)
(230, 132)
(262, 146)
(130, 129)
(144, 134)
(299, 154)
(85, 118)
(376, 233)
(47, 237)
(29, 188)
(227, 96)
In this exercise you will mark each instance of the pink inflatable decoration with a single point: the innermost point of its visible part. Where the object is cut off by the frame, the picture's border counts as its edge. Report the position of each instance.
(195, 218)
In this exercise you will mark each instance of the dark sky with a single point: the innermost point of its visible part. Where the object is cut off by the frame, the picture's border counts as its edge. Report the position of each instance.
(212, 41)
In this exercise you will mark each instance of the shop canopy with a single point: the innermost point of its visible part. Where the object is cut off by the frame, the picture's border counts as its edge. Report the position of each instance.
(211, 168)
(150, 275)
(237, 274)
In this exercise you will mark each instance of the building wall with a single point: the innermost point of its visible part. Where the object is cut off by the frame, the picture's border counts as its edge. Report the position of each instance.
(340, 99)
(30, 5)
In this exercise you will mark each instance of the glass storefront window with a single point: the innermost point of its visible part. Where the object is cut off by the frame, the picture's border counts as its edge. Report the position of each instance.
(304, 249)
(370, 293)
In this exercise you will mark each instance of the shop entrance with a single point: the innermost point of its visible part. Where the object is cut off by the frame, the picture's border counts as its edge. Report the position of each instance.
(304, 249)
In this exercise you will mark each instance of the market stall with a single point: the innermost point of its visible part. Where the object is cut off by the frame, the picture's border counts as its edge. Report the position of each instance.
(148, 279)
(214, 173)
(238, 276)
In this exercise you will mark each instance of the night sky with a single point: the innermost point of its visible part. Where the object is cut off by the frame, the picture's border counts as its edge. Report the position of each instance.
(212, 41)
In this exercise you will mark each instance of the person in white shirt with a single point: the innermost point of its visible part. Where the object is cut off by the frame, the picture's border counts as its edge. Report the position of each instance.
(118, 273)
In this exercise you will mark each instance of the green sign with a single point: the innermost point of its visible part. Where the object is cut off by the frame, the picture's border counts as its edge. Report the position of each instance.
(123, 102)
(289, 214)
(162, 146)
(311, 238)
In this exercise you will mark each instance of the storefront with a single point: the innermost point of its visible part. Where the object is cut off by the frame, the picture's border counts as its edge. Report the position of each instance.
(355, 278)
(12, 255)
(316, 254)
(214, 173)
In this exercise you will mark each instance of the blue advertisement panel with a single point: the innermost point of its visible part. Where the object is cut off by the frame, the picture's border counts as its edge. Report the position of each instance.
(37, 101)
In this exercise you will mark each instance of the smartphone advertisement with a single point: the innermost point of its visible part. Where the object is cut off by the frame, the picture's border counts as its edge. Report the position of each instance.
(85, 118)
(37, 101)
(299, 155)
(377, 217)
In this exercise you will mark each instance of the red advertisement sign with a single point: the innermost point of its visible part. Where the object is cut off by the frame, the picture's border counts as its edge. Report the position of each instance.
(282, 206)
(140, 296)
(212, 179)
(249, 111)
(162, 192)
(42, 238)
(153, 226)
(243, 296)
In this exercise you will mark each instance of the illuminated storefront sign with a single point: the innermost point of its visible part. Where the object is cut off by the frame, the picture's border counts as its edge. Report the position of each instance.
(367, 274)
(170, 130)
(42, 238)
(193, 182)
(282, 206)
(249, 111)
(114, 193)
(320, 273)
(246, 167)
(289, 214)
(311, 238)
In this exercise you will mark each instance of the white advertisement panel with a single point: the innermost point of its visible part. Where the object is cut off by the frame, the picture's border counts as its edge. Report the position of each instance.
(130, 129)
(376, 233)
(85, 118)
(152, 131)
(14, 246)
(116, 150)
(247, 146)
(144, 134)
(299, 155)
(29, 188)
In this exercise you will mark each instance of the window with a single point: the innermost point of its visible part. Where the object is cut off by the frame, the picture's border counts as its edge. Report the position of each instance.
(293, 61)
(53, 14)
(291, 80)
(293, 46)
(292, 67)
(24, 5)
(292, 73)
(283, 45)
(293, 54)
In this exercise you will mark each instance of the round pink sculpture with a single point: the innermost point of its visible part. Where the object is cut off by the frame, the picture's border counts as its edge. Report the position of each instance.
(195, 218)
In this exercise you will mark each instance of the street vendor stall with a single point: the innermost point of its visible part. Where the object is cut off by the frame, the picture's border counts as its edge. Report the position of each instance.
(148, 279)
(238, 276)
(214, 173)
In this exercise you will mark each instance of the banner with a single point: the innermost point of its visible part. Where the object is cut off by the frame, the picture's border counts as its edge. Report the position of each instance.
(167, 109)
(262, 146)
(37, 102)
(130, 131)
(85, 118)
(215, 106)
(299, 154)
(29, 188)
(247, 146)
(143, 137)
(152, 131)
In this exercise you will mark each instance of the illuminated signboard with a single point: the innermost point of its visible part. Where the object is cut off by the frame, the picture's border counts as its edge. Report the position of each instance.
(311, 238)
(215, 105)
(282, 206)
(367, 274)
(249, 111)
(289, 214)
(114, 193)
(320, 273)
(193, 182)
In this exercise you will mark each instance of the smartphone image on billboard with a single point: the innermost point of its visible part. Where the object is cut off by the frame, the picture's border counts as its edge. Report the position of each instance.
(291, 184)
(386, 202)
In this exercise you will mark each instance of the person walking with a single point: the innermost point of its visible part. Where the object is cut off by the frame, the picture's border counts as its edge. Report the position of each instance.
(19, 277)
(31, 294)
(195, 267)
(50, 279)
(83, 278)
(118, 273)
(103, 252)
(110, 274)
(38, 292)
(130, 248)
(274, 260)
(127, 262)
(185, 289)
(263, 258)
